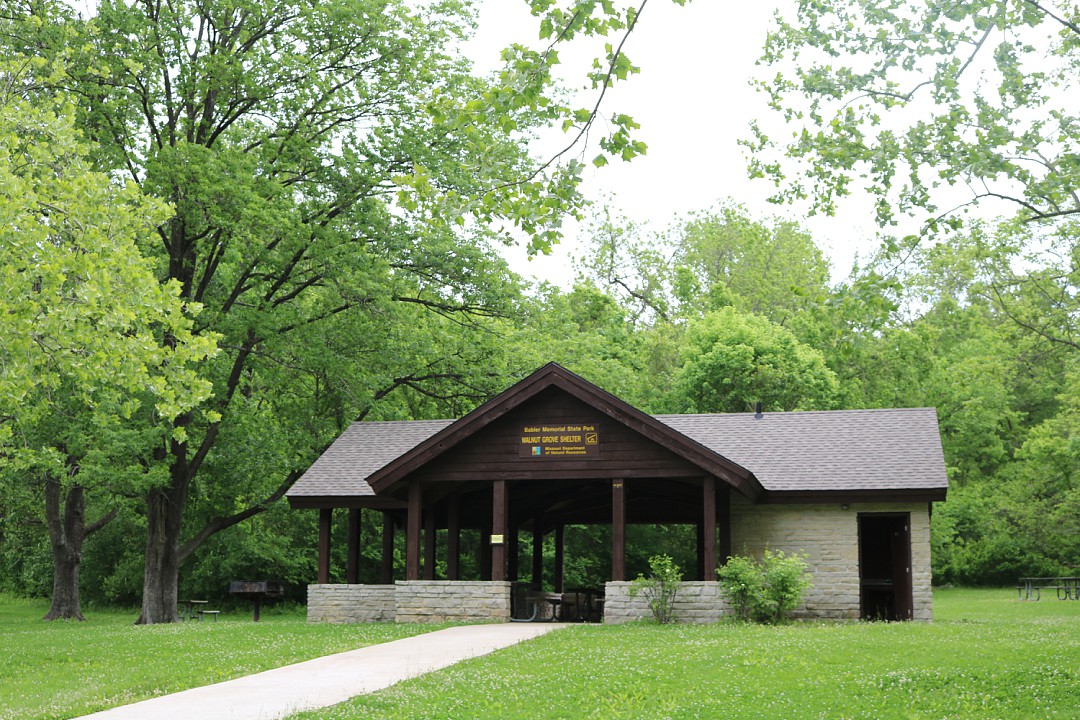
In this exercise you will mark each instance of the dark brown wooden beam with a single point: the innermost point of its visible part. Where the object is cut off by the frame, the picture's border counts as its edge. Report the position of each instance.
(352, 563)
(699, 554)
(453, 537)
(709, 528)
(345, 501)
(618, 530)
(429, 543)
(326, 517)
(538, 556)
(484, 546)
(499, 507)
(386, 572)
(560, 539)
(723, 519)
(513, 551)
(412, 531)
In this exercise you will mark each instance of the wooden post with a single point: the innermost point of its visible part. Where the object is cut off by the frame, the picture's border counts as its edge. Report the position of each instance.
(412, 531)
(618, 531)
(538, 556)
(429, 543)
(352, 565)
(484, 546)
(513, 550)
(453, 538)
(326, 516)
(723, 515)
(498, 538)
(386, 574)
(709, 550)
(699, 526)
(560, 538)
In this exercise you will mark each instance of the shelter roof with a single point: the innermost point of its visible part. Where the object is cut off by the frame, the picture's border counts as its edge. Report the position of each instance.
(834, 450)
(362, 449)
(795, 454)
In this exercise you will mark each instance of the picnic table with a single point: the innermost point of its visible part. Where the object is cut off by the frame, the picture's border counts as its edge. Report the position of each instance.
(583, 605)
(1067, 588)
(189, 608)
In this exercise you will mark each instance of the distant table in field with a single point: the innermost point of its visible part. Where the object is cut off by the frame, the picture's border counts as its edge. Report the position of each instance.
(188, 608)
(1067, 588)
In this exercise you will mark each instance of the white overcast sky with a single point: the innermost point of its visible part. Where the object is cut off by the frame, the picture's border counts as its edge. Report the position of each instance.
(693, 101)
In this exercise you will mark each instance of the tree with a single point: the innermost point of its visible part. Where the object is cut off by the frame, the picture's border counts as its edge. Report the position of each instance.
(89, 339)
(771, 268)
(705, 261)
(732, 361)
(926, 106)
(339, 177)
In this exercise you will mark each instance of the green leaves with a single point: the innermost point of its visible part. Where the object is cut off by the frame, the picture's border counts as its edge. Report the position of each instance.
(966, 109)
(85, 327)
(734, 361)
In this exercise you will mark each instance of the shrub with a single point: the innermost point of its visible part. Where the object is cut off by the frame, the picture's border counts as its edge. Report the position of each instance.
(764, 591)
(660, 588)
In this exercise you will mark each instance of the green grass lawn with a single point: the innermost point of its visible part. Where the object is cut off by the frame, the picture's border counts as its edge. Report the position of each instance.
(65, 669)
(987, 656)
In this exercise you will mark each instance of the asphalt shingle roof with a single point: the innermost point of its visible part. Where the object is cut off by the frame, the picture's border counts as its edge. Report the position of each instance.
(841, 450)
(362, 449)
(896, 449)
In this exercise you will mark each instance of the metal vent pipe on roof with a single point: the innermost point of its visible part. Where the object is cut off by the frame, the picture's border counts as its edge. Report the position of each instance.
(757, 410)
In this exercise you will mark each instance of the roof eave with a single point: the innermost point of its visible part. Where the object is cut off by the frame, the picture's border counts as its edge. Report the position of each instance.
(853, 496)
(321, 502)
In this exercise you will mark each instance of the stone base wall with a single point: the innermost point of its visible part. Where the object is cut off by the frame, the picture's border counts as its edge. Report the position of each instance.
(828, 535)
(696, 602)
(446, 600)
(351, 603)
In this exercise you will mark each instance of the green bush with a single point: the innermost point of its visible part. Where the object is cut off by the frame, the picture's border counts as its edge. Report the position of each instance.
(764, 591)
(660, 588)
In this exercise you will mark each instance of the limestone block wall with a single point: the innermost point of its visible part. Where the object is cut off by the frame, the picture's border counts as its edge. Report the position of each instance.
(696, 602)
(828, 535)
(446, 600)
(920, 564)
(351, 603)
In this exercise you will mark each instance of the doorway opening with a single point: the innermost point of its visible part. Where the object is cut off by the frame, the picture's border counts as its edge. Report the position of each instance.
(885, 566)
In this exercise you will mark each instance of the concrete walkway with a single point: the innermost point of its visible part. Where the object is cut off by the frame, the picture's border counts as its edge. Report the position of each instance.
(328, 680)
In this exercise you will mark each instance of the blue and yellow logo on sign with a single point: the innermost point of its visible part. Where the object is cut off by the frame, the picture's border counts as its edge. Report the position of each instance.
(537, 450)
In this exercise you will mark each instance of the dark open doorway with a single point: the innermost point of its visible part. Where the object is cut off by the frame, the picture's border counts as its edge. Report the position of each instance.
(885, 566)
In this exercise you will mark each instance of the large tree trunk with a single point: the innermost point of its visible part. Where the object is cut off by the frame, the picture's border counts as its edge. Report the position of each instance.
(67, 531)
(161, 567)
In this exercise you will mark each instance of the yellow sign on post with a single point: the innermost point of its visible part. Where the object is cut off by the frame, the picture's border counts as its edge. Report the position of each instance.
(496, 539)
